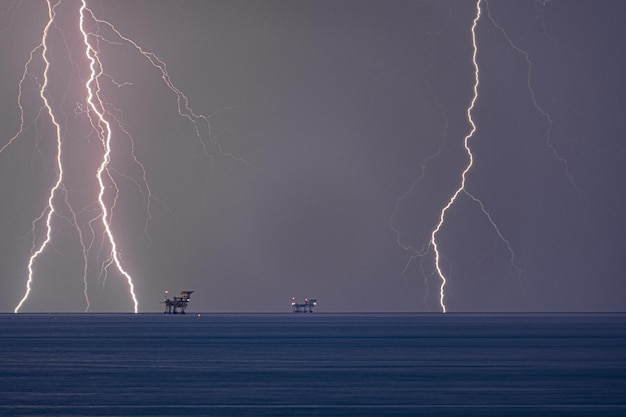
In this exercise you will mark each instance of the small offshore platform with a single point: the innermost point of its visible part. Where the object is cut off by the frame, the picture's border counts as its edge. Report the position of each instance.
(178, 304)
(307, 307)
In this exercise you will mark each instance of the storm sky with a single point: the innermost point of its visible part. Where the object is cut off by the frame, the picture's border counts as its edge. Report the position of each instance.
(335, 140)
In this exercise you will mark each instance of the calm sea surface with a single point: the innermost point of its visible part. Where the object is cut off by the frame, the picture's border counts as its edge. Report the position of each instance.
(313, 364)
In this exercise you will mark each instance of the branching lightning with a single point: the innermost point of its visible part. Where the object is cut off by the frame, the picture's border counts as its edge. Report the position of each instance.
(531, 92)
(482, 8)
(104, 132)
(50, 209)
(93, 222)
(433, 243)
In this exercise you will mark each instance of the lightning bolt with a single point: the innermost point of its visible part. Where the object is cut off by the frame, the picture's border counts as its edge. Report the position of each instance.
(466, 140)
(433, 247)
(104, 132)
(462, 189)
(93, 221)
(433, 244)
(50, 208)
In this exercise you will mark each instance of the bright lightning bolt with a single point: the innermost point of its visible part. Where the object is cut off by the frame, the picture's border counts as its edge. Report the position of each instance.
(50, 209)
(433, 246)
(442, 215)
(433, 243)
(81, 32)
(104, 132)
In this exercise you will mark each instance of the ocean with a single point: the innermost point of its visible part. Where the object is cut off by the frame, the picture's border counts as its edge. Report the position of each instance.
(313, 364)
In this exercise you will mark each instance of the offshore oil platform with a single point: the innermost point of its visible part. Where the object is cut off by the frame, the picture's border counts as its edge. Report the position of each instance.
(307, 307)
(178, 304)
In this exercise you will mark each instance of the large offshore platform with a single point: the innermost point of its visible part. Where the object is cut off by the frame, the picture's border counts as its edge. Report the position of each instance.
(307, 307)
(178, 304)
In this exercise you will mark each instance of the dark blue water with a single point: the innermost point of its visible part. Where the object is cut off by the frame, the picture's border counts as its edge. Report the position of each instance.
(313, 365)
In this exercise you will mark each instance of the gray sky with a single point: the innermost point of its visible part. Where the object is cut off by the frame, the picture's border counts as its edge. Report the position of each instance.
(335, 141)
